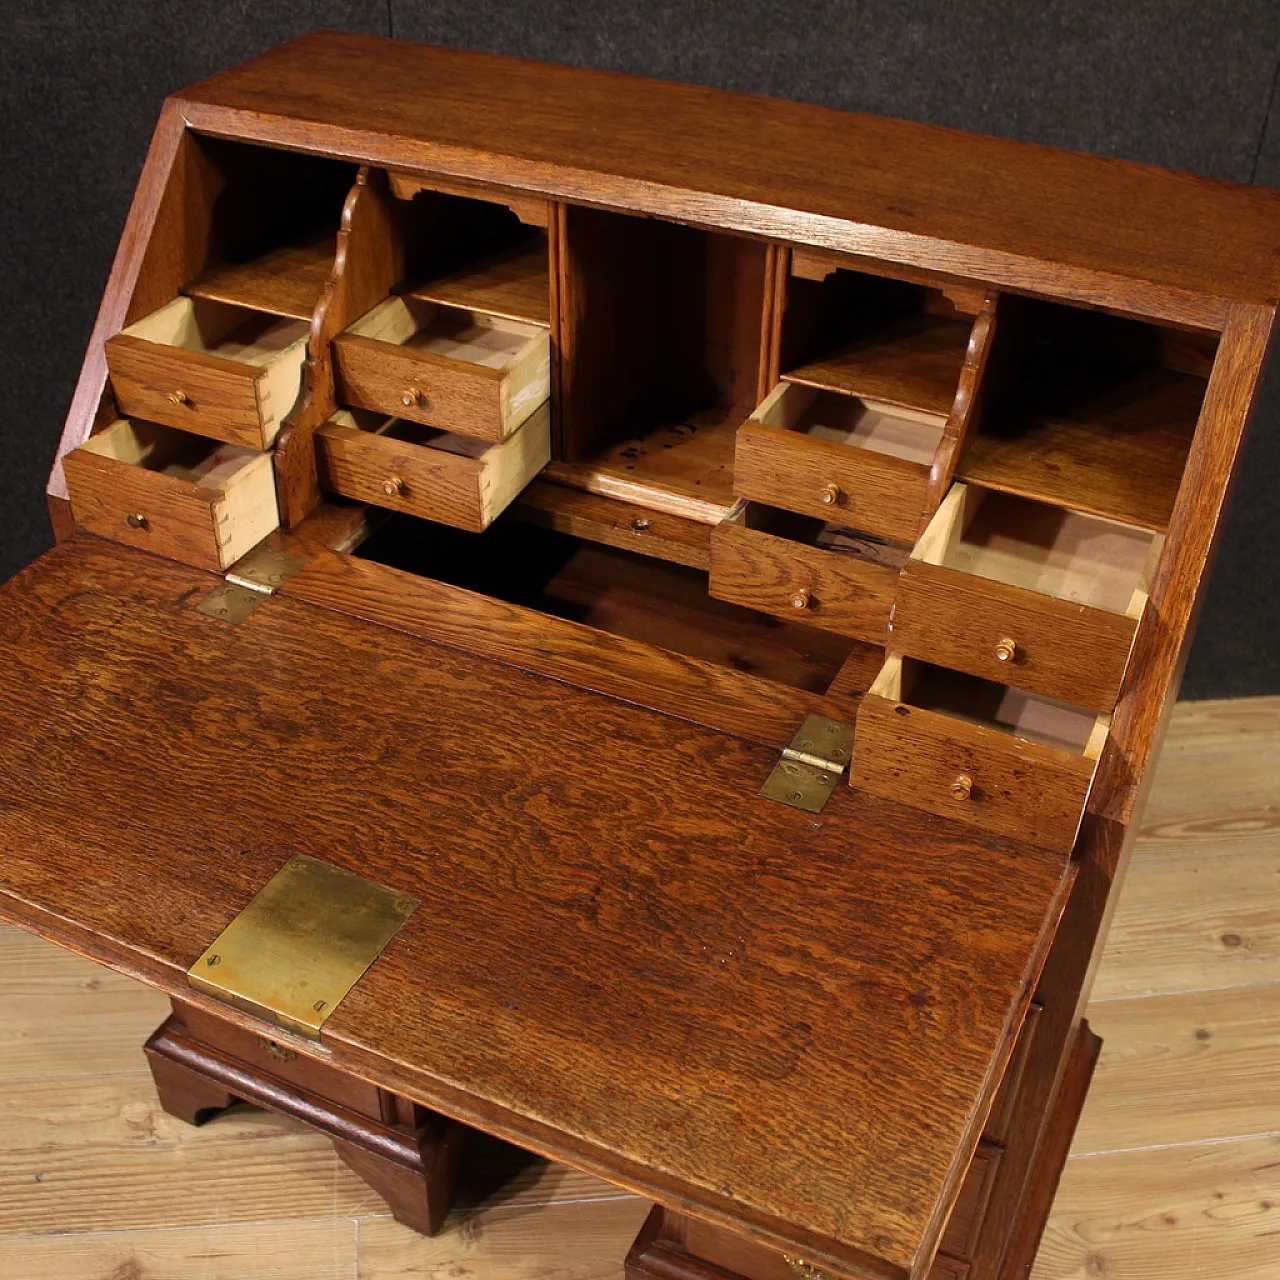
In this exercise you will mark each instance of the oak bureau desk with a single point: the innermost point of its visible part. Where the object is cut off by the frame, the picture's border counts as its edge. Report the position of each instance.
(632, 618)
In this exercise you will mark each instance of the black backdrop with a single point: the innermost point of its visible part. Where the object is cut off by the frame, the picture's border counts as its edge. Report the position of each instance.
(1185, 83)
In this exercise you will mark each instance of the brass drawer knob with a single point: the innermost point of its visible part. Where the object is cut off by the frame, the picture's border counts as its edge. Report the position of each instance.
(1006, 650)
(802, 599)
(413, 398)
(136, 520)
(178, 397)
(962, 788)
(393, 487)
(830, 495)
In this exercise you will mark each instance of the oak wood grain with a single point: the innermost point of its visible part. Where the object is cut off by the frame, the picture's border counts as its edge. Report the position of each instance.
(287, 281)
(410, 722)
(512, 284)
(1064, 650)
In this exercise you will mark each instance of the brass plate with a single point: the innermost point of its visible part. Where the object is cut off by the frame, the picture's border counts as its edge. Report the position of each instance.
(812, 766)
(267, 570)
(230, 603)
(305, 940)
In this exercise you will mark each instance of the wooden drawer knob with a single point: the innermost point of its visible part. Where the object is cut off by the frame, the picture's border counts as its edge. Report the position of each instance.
(178, 397)
(393, 487)
(830, 495)
(136, 520)
(413, 398)
(962, 788)
(1006, 650)
(802, 599)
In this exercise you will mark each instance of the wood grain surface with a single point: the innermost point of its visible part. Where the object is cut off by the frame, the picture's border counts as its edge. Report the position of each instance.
(569, 1061)
(287, 281)
(1064, 650)
(1155, 237)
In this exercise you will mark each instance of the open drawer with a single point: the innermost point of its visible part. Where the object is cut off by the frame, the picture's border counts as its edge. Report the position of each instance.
(839, 457)
(1028, 594)
(439, 475)
(468, 372)
(221, 371)
(967, 748)
(180, 495)
(799, 568)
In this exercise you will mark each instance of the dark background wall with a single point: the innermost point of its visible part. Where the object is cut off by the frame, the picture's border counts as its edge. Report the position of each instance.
(1183, 83)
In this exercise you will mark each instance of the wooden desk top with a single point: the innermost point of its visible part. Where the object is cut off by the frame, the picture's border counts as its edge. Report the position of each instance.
(990, 208)
(625, 958)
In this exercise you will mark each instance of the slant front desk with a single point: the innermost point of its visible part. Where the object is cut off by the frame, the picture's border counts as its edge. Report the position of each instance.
(630, 618)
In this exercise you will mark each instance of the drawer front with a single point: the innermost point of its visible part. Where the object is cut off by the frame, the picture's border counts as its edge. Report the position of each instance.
(145, 509)
(1017, 788)
(200, 393)
(276, 1058)
(470, 399)
(801, 583)
(835, 482)
(960, 1236)
(1017, 637)
(1000, 1118)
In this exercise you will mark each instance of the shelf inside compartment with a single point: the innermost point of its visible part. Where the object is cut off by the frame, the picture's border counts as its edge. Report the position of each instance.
(1083, 558)
(1086, 411)
(887, 340)
(286, 281)
(652, 601)
(476, 255)
(996, 706)
(512, 284)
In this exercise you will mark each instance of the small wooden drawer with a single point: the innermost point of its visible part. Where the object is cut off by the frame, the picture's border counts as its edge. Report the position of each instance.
(839, 457)
(466, 372)
(264, 1052)
(218, 370)
(180, 495)
(966, 748)
(960, 1236)
(1030, 595)
(426, 472)
(798, 568)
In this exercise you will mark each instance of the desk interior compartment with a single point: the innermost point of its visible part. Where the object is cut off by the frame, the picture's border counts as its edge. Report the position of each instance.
(892, 341)
(1089, 411)
(467, 372)
(218, 370)
(795, 566)
(663, 352)
(424, 471)
(977, 751)
(1026, 593)
(181, 495)
(839, 457)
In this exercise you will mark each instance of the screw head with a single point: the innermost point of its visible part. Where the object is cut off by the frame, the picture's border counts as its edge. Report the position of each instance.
(412, 397)
(320, 1006)
(641, 524)
(801, 599)
(213, 961)
(830, 495)
(393, 487)
(962, 787)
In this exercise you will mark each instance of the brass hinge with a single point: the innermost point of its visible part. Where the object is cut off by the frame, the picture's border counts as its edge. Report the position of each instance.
(812, 766)
(248, 583)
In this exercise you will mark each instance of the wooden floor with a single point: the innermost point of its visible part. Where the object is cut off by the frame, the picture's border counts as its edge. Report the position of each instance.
(1175, 1172)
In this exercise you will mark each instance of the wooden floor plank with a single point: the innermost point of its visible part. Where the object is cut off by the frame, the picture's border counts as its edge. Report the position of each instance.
(1203, 1212)
(63, 1015)
(1252, 723)
(1184, 1068)
(567, 1242)
(324, 1250)
(1190, 924)
(1205, 803)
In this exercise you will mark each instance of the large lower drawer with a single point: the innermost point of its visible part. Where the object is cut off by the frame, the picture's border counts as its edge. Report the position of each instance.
(1027, 594)
(776, 562)
(462, 371)
(839, 458)
(441, 476)
(970, 749)
(217, 370)
(182, 496)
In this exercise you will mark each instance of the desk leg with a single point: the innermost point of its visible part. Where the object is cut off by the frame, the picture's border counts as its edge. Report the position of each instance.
(407, 1154)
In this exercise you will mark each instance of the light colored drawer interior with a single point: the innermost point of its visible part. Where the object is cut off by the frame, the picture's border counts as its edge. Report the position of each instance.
(194, 499)
(210, 367)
